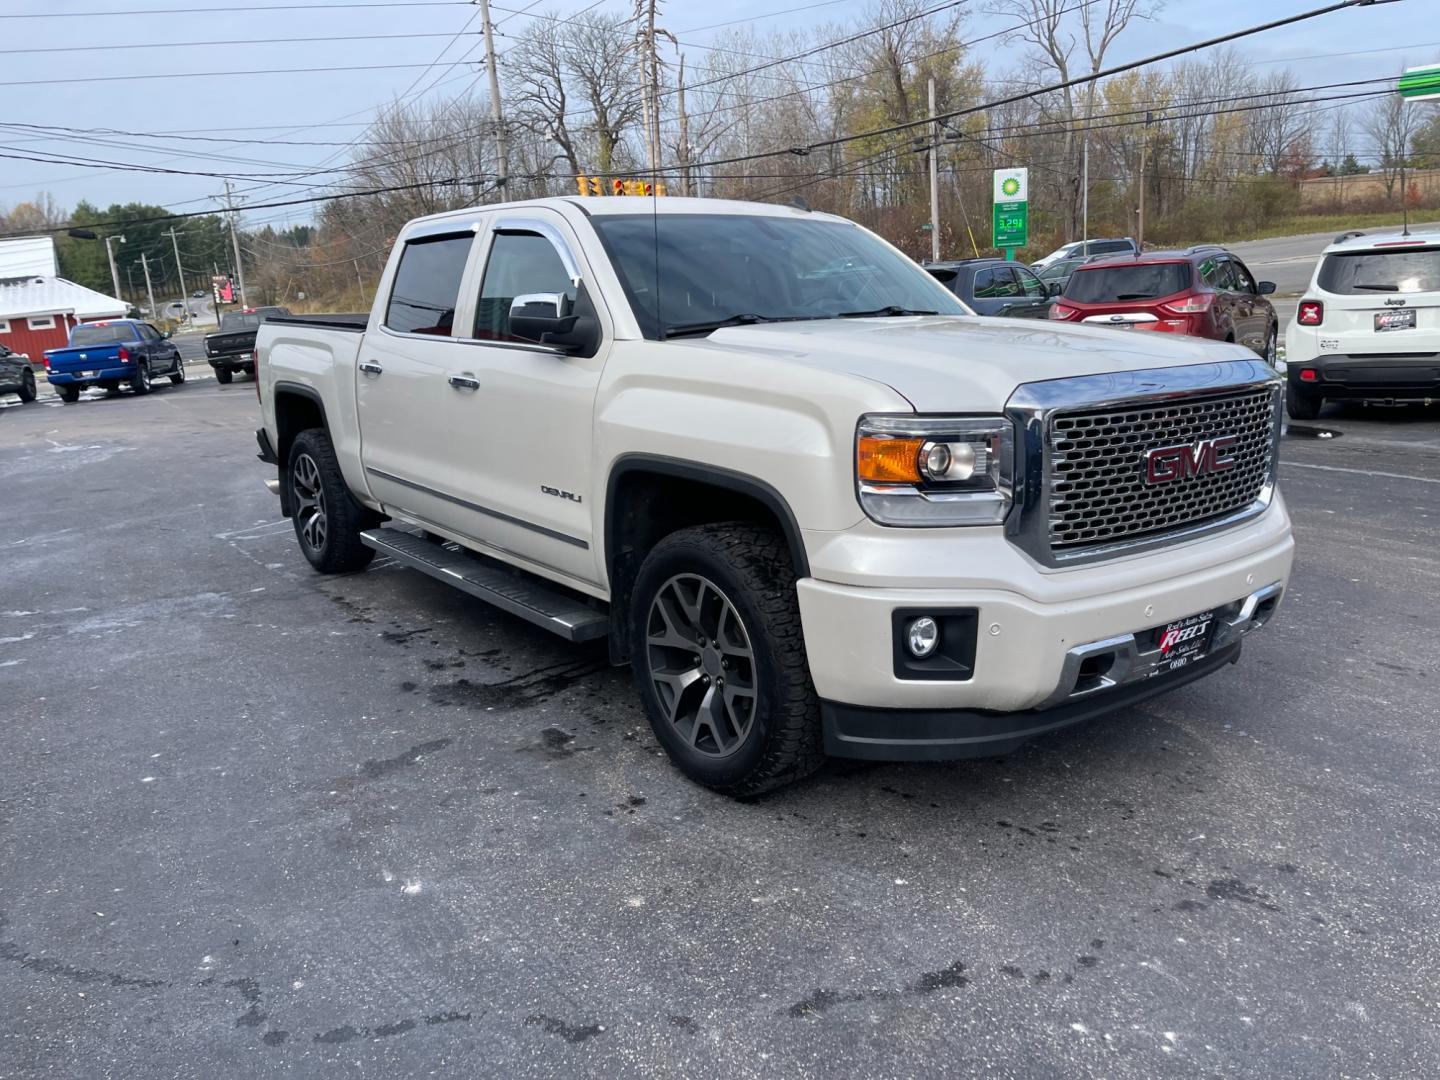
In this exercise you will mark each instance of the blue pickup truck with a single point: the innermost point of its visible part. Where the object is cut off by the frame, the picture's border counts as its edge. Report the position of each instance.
(112, 352)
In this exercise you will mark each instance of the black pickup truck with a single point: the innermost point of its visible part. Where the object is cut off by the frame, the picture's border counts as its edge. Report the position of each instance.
(232, 347)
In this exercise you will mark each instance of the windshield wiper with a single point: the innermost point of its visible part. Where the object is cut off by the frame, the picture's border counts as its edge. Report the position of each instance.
(1377, 287)
(743, 319)
(887, 311)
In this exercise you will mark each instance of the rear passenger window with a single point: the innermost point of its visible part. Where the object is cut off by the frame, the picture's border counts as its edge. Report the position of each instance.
(986, 285)
(520, 264)
(427, 285)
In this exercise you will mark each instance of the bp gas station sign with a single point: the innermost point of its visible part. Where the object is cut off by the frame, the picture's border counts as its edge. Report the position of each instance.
(1420, 83)
(1010, 214)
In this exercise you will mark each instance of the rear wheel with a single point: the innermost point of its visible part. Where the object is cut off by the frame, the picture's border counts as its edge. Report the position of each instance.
(27, 385)
(141, 382)
(178, 375)
(1300, 405)
(223, 375)
(719, 658)
(68, 393)
(328, 520)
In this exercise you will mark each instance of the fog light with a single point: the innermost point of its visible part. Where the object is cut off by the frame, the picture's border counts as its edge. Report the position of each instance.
(922, 637)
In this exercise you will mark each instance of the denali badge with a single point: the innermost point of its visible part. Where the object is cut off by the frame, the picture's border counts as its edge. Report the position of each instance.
(1167, 463)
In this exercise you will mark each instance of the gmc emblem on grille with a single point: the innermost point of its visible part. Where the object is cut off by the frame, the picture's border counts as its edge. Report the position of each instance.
(1167, 463)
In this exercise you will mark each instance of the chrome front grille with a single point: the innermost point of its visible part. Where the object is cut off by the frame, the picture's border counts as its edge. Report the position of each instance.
(1098, 492)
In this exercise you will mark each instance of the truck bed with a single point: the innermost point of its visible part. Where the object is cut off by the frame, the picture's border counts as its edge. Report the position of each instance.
(352, 323)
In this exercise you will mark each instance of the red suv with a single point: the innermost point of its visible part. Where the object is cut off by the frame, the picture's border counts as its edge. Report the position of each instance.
(1203, 291)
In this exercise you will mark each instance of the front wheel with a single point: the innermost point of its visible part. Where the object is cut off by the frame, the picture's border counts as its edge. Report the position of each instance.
(719, 658)
(223, 375)
(328, 520)
(1300, 405)
(141, 382)
(27, 385)
(1270, 354)
(70, 393)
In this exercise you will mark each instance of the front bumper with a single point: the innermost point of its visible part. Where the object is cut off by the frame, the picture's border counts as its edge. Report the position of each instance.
(1027, 618)
(945, 735)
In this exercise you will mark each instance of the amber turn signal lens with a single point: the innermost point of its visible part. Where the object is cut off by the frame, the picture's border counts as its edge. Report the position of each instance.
(888, 461)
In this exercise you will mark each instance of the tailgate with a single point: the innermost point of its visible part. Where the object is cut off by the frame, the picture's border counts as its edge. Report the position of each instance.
(85, 358)
(226, 344)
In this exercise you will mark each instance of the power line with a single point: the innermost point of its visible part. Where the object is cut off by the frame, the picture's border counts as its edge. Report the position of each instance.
(210, 44)
(228, 10)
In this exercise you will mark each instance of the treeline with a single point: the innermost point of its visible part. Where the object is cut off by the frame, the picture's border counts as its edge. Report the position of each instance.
(1214, 146)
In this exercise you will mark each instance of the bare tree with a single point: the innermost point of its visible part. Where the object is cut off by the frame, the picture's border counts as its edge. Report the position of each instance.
(1388, 123)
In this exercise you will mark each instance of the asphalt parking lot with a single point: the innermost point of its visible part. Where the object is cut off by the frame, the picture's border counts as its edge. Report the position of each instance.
(255, 822)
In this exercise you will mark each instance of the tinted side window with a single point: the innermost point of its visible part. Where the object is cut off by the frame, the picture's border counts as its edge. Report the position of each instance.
(519, 263)
(427, 285)
(1005, 283)
(987, 284)
(1111, 245)
(1029, 283)
(1243, 281)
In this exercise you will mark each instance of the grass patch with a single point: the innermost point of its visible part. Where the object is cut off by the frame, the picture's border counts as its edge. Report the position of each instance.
(1300, 224)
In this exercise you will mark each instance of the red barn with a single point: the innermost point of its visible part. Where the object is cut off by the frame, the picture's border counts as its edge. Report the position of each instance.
(37, 313)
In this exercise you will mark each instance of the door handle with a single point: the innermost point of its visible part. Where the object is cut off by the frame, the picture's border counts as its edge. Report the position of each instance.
(464, 382)
(371, 368)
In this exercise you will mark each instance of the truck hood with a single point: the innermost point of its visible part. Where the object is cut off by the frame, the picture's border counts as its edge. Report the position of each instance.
(967, 363)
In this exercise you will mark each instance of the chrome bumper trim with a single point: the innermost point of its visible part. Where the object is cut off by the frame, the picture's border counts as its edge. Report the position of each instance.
(1128, 663)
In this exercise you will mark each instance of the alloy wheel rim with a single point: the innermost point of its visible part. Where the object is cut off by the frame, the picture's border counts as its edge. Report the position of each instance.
(1270, 351)
(144, 375)
(700, 662)
(309, 502)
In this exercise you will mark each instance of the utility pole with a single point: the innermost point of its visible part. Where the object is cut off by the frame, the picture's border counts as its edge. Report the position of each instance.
(130, 278)
(235, 240)
(1144, 146)
(179, 270)
(360, 281)
(684, 132)
(934, 178)
(502, 155)
(150, 292)
(110, 254)
(1085, 196)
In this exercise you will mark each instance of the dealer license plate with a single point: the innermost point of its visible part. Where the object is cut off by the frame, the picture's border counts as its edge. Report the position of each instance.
(1394, 320)
(1183, 642)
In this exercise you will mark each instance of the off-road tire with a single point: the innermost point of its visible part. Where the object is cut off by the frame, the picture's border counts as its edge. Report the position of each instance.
(750, 565)
(69, 393)
(27, 385)
(223, 375)
(1300, 405)
(340, 551)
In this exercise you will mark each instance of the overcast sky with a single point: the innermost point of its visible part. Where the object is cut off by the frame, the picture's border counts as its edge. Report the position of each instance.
(305, 107)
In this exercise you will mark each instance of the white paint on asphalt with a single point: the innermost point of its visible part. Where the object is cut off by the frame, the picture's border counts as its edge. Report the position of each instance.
(1361, 472)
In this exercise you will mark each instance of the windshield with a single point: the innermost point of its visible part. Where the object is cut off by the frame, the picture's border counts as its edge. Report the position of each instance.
(715, 267)
(1115, 284)
(1409, 271)
(102, 335)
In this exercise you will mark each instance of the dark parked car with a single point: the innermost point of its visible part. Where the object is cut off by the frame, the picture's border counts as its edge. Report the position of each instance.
(232, 347)
(1202, 291)
(16, 374)
(1058, 273)
(995, 287)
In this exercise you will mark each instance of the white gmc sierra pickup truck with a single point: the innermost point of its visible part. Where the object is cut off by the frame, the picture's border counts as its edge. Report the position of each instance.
(817, 505)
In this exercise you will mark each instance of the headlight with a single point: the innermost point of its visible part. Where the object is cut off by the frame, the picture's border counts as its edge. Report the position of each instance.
(935, 470)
